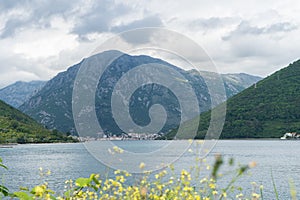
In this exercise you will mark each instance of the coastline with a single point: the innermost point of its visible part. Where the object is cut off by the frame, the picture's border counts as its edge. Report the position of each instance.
(8, 145)
(11, 145)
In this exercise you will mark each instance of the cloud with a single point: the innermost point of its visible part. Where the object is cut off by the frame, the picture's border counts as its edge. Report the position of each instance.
(14, 68)
(259, 42)
(281, 27)
(10, 27)
(105, 16)
(6, 5)
(99, 18)
(212, 22)
(149, 21)
(38, 39)
(38, 14)
(141, 36)
(244, 29)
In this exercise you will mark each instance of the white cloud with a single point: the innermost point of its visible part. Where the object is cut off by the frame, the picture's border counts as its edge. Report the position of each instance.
(38, 39)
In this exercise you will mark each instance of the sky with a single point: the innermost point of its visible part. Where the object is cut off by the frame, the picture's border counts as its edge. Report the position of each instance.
(40, 38)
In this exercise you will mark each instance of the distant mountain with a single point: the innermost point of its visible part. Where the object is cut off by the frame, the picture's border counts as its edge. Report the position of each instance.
(52, 105)
(234, 83)
(16, 94)
(267, 109)
(16, 127)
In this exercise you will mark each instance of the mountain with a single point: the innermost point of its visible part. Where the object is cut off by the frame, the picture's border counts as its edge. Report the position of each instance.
(267, 109)
(233, 83)
(16, 94)
(16, 127)
(52, 105)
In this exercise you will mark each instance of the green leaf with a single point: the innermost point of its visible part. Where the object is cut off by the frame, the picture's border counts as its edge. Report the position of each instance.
(95, 188)
(50, 191)
(24, 188)
(3, 190)
(83, 182)
(23, 196)
(274, 186)
(3, 166)
(92, 176)
(96, 180)
(68, 193)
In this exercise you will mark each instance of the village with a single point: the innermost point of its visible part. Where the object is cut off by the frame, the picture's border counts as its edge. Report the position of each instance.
(129, 136)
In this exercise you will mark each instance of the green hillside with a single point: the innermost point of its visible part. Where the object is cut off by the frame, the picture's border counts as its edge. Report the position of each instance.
(265, 110)
(16, 127)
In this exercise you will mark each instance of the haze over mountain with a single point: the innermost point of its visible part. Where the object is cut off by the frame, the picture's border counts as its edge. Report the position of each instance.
(18, 93)
(267, 109)
(52, 105)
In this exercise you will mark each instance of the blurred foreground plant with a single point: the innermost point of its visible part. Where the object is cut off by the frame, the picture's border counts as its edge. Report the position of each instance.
(3, 190)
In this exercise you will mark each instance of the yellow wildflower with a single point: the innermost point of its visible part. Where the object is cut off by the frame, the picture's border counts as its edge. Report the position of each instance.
(142, 165)
(224, 194)
(212, 186)
(255, 196)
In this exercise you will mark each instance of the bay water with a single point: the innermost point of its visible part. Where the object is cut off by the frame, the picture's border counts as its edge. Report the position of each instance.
(71, 161)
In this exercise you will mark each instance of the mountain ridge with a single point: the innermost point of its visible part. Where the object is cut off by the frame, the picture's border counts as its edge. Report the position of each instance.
(19, 92)
(51, 106)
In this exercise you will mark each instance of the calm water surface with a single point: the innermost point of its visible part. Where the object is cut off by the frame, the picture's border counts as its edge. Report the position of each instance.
(70, 161)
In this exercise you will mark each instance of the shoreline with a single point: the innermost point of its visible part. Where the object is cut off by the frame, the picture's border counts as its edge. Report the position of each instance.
(8, 145)
(231, 139)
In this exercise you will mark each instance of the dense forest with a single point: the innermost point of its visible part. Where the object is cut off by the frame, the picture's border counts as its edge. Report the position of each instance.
(267, 109)
(16, 127)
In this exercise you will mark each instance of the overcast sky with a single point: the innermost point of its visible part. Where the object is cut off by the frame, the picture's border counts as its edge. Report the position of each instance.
(39, 38)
